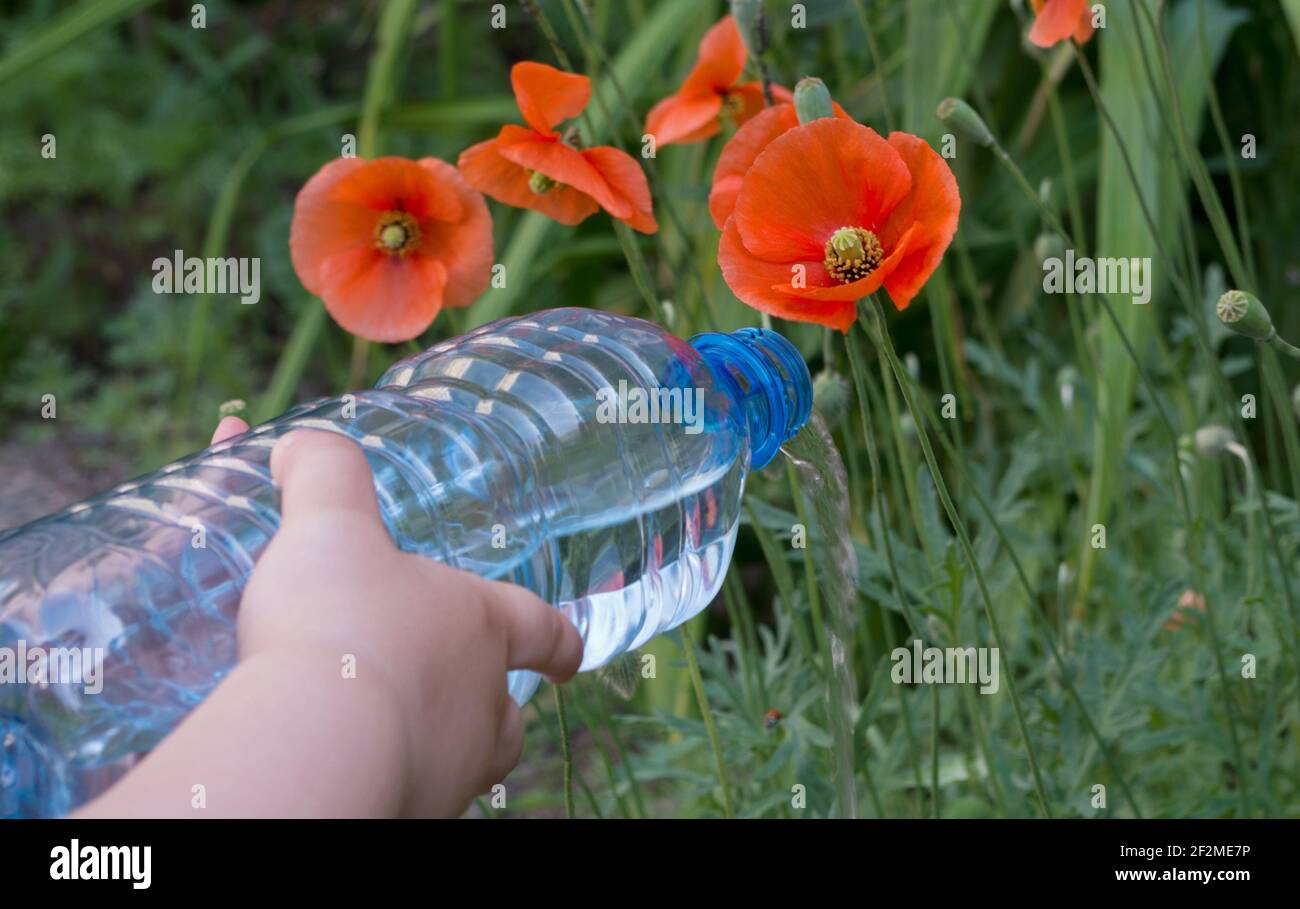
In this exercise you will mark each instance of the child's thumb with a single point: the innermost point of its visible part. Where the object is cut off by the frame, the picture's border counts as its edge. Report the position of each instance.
(321, 471)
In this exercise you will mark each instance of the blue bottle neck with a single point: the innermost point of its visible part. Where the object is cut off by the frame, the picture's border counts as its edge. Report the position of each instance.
(768, 379)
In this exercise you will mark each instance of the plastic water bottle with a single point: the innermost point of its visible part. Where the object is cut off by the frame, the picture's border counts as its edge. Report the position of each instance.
(592, 458)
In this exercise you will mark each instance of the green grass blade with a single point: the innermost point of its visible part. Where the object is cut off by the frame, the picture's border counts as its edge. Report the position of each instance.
(76, 23)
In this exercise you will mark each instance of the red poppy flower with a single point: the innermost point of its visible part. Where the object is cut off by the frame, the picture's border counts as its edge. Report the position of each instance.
(388, 243)
(829, 213)
(1060, 20)
(740, 151)
(537, 168)
(694, 112)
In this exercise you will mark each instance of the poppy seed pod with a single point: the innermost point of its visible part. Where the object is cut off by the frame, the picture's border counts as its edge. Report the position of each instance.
(1244, 314)
(1211, 441)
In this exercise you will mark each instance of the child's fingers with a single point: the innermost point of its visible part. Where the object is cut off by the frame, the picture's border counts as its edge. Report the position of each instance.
(509, 744)
(538, 637)
(228, 427)
(321, 471)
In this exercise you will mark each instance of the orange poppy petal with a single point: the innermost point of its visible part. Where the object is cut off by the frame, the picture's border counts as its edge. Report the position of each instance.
(722, 198)
(931, 210)
(707, 131)
(754, 281)
(381, 297)
(396, 184)
(547, 96)
(504, 180)
(565, 204)
(621, 172)
(321, 228)
(744, 147)
(562, 164)
(465, 247)
(1083, 31)
(1057, 21)
(721, 59)
(684, 118)
(739, 153)
(813, 180)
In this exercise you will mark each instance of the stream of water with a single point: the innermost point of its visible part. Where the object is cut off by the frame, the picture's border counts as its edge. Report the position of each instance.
(824, 482)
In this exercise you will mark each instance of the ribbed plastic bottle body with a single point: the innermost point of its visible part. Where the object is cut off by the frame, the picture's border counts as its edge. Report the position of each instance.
(501, 452)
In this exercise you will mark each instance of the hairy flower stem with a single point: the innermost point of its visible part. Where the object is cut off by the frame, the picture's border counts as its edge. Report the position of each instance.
(706, 713)
(1193, 527)
(1283, 347)
(598, 61)
(583, 25)
(1038, 617)
(1211, 203)
(565, 750)
(874, 58)
(931, 557)
(1241, 269)
(394, 29)
(837, 699)
(873, 320)
(882, 520)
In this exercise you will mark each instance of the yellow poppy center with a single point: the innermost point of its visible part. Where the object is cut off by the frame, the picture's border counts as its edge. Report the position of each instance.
(397, 233)
(852, 253)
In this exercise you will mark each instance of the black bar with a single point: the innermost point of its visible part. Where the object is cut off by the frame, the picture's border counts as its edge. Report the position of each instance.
(549, 858)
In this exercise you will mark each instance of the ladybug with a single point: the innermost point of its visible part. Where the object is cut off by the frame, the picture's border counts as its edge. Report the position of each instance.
(771, 718)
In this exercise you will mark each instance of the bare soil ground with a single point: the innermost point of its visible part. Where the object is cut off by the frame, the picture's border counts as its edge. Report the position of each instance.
(38, 478)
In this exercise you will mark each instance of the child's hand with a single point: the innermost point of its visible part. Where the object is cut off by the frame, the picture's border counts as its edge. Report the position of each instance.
(440, 640)
(370, 681)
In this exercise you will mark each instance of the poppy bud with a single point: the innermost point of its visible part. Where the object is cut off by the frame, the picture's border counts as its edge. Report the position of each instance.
(831, 397)
(961, 118)
(1244, 314)
(812, 100)
(1295, 400)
